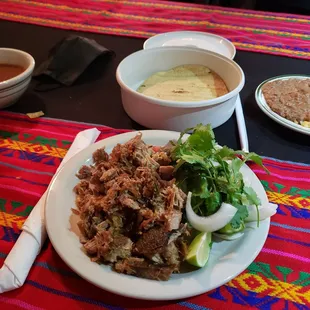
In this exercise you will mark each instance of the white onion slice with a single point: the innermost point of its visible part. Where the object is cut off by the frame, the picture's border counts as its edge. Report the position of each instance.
(212, 222)
(265, 211)
(229, 237)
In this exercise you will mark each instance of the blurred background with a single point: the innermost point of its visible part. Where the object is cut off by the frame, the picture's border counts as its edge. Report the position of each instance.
(283, 6)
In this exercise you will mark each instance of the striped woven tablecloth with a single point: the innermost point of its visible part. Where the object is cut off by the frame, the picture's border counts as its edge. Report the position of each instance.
(30, 152)
(264, 32)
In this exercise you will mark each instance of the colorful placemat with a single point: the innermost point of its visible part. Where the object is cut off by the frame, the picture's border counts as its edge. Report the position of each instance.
(273, 33)
(31, 150)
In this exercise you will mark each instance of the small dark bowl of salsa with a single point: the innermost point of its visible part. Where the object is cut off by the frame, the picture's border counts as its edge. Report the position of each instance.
(16, 68)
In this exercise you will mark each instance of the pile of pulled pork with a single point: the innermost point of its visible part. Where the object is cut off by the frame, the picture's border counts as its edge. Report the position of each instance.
(131, 211)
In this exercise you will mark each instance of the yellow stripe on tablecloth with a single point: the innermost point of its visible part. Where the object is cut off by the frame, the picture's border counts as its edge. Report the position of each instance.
(33, 148)
(11, 220)
(163, 20)
(258, 284)
(289, 200)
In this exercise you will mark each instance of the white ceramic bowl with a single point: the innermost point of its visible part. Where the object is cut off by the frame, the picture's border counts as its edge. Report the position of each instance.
(173, 115)
(197, 39)
(12, 89)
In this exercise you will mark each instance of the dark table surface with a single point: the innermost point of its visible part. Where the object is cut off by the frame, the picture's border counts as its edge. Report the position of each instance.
(95, 98)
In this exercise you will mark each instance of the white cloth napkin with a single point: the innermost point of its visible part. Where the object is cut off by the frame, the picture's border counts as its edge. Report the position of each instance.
(19, 261)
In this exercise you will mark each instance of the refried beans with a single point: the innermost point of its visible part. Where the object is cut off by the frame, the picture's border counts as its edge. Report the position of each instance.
(289, 98)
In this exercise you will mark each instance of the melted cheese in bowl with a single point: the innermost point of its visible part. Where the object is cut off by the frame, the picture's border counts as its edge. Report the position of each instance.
(184, 83)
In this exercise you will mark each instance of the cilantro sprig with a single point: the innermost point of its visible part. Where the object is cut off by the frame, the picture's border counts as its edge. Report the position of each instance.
(212, 174)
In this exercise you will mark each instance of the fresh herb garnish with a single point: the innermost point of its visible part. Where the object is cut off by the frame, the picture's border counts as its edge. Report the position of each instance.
(239, 217)
(213, 174)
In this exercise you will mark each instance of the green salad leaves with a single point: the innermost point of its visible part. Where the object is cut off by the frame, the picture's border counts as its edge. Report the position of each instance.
(212, 174)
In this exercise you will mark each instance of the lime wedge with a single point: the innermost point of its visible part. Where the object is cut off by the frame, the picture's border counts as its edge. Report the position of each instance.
(199, 250)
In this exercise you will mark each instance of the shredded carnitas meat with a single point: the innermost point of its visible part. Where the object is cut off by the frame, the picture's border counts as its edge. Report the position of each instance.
(131, 211)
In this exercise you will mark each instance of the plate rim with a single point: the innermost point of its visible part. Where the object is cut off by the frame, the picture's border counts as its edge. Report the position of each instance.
(228, 42)
(136, 294)
(264, 107)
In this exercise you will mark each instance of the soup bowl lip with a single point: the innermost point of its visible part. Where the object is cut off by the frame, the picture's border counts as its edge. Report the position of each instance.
(23, 75)
(181, 104)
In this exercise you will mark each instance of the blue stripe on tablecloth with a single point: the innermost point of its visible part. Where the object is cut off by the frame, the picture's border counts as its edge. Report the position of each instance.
(70, 295)
(305, 230)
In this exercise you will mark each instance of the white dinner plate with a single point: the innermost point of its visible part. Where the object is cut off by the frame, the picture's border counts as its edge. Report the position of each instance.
(261, 102)
(227, 259)
(203, 40)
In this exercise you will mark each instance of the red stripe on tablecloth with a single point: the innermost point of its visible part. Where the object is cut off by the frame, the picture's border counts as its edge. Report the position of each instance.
(249, 30)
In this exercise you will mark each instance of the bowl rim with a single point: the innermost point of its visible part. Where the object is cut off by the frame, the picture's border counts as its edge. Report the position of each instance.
(182, 104)
(159, 35)
(18, 79)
